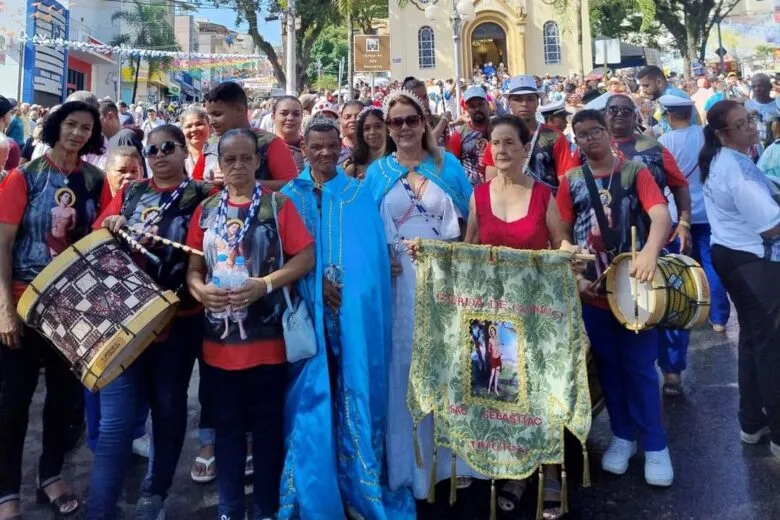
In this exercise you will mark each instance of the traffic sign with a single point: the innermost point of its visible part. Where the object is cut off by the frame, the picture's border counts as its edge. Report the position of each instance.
(721, 52)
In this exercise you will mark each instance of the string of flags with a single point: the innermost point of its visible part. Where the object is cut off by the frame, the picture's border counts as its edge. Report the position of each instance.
(126, 51)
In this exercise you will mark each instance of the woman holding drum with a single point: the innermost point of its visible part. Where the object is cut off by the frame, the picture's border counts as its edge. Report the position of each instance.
(246, 364)
(48, 204)
(162, 205)
(743, 206)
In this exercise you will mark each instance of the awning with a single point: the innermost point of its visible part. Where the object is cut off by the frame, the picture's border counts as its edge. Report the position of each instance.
(92, 58)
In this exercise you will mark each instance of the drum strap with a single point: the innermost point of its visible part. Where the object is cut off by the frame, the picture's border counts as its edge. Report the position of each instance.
(607, 234)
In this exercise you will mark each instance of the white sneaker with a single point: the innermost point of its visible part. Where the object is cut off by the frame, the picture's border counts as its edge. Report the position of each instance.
(141, 446)
(754, 438)
(658, 468)
(615, 459)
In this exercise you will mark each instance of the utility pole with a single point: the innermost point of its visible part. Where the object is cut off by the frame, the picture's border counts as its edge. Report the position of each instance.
(455, 19)
(291, 72)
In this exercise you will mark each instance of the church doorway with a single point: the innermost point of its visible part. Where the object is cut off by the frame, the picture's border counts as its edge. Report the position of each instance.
(488, 45)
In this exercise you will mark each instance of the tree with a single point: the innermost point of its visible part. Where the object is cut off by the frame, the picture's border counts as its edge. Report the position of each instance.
(361, 13)
(315, 16)
(149, 29)
(328, 51)
(622, 19)
(688, 21)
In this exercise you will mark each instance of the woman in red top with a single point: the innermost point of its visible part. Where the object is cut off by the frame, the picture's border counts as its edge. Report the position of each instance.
(514, 210)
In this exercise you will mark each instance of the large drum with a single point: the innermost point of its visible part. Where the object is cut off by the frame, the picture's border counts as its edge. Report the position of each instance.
(678, 297)
(97, 307)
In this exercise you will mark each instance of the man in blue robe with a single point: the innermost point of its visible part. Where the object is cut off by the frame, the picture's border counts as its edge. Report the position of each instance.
(337, 401)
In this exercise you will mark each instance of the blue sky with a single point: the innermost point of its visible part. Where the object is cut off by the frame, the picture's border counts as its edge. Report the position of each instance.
(227, 17)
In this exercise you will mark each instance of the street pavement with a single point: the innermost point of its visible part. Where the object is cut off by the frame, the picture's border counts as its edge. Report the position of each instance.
(716, 477)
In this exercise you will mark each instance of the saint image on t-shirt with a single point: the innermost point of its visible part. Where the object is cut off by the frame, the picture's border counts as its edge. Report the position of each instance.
(233, 228)
(149, 218)
(63, 220)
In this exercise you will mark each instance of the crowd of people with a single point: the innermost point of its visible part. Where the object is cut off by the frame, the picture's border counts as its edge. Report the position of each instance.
(327, 198)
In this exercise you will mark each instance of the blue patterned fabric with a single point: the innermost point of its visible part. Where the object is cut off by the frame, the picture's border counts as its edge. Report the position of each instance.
(335, 434)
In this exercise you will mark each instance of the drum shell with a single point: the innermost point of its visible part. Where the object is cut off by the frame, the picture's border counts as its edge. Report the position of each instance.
(97, 308)
(683, 307)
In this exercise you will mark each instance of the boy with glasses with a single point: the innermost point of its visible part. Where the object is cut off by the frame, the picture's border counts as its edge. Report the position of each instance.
(599, 202)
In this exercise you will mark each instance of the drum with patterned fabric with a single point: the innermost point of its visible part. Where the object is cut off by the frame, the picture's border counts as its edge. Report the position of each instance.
(97, 307)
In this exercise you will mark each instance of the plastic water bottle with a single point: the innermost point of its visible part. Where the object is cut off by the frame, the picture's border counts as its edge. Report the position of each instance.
(220, 277)
(239, 277)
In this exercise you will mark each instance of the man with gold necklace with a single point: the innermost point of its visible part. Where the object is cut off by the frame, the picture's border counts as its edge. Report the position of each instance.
(345, 383)
(599, 202)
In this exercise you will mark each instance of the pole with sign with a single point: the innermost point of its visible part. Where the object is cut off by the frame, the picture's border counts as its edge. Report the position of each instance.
(372, 53)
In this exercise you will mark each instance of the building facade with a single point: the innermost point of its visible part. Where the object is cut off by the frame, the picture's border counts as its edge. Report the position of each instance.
(526, 36)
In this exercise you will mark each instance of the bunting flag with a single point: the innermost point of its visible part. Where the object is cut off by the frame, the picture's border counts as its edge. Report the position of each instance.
(113, 50)
(499, 355)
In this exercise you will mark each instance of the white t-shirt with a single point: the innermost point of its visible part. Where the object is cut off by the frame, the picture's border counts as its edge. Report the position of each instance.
(740, 204)
(685, 144)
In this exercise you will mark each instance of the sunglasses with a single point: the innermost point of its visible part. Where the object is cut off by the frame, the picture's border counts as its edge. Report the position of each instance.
(621, 110)
(396, 123)
(167, 148)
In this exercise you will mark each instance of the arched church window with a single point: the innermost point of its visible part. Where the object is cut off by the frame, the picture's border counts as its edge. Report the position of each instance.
(552, 44)
(426, 48)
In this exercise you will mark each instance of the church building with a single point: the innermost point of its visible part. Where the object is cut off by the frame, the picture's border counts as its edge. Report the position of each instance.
(533, 37)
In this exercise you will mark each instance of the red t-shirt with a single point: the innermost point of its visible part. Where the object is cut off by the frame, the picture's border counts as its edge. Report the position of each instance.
(295, 238)
(528, 232)
(281, 163)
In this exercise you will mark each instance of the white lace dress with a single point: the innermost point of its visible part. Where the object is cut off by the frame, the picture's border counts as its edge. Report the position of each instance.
(403, 220)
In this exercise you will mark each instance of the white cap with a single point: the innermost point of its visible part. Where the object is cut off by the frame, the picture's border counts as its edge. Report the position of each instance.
(557, 107)
(600, 103)
(323, 105)
(522, 84)
(671, 101)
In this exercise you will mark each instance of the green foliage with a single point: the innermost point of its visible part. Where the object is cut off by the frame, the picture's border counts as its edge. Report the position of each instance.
(765, 50)
(326, 83)
(146, 26)
(329, 48)
(625, 20)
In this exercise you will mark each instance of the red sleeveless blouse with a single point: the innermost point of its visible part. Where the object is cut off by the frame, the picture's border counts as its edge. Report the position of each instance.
(529, 232)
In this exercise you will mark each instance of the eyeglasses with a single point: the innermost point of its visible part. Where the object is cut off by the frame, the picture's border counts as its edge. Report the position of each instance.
(620, 110)
(396, 123)
(167, 148)
(751, 120)
(594, 134)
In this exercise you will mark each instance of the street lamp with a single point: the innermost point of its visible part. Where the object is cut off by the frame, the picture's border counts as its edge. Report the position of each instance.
(462, 12)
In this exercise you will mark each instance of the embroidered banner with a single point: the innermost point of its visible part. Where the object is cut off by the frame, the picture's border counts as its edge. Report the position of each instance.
(499, 355)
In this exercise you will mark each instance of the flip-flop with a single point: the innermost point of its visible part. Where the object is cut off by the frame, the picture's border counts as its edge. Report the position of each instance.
(249, 467)
(208, 477)
(463, 482)
(552, 486)
(511, 494)
(672, 389)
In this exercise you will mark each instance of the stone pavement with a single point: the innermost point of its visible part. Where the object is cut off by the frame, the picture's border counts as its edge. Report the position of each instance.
(717, 477)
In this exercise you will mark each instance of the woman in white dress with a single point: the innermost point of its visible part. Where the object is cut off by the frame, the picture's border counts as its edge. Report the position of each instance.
(422, 192)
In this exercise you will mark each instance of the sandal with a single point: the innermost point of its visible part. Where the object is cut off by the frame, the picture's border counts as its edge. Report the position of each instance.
(58, 505)
(672, 389)
(511, 494)
(207, 477)
(463, 482)
(552, 506)
(249, 468)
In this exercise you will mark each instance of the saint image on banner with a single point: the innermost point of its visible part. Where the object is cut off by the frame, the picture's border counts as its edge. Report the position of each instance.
(63, 221)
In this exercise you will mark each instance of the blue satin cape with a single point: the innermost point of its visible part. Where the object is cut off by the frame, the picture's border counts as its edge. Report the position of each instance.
(335, 440)
(383, 173)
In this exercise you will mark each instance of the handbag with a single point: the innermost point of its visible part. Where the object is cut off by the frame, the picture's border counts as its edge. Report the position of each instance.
(300, 340)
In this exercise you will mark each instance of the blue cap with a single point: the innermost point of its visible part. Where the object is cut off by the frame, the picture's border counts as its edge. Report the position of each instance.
(239, 260)
(222, 257)
(474, 91)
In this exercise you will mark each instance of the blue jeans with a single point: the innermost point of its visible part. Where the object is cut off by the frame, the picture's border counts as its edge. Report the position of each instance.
(626, 365)
(92, 408)
(720, 307)
(159, 378)
(249, 400)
